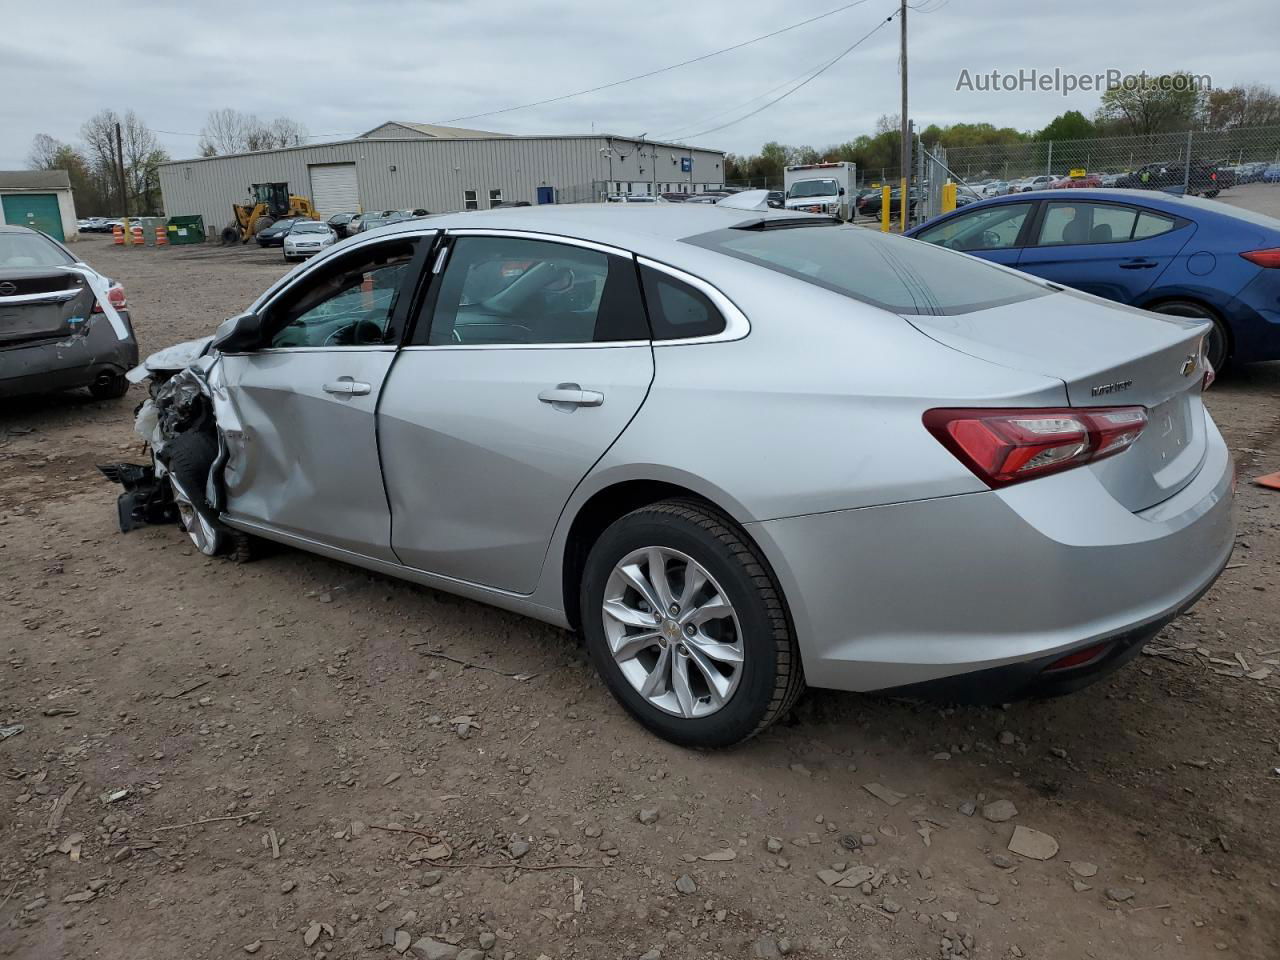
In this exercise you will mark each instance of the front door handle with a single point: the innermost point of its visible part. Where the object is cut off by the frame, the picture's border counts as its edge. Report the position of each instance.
(347, 387)
(1138, 263)
(571, 395)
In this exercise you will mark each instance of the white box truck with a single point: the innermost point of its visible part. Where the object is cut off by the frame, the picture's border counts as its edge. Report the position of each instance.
(827, 188)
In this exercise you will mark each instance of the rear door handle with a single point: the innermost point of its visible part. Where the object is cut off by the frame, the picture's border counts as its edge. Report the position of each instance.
(571, 395)
(347, 387)
(1138, 263)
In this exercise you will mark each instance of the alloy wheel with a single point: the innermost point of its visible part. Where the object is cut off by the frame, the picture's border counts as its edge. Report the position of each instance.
(673, 632)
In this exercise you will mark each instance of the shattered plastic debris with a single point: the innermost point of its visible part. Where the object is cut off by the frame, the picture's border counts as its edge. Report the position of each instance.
(11, 731)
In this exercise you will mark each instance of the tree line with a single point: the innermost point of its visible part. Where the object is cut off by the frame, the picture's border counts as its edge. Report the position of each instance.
(1157, 105)
(95, 171)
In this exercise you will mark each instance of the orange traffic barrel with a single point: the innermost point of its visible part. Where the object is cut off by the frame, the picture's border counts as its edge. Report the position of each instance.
(117, 235)
(138, 237)
(162, 237)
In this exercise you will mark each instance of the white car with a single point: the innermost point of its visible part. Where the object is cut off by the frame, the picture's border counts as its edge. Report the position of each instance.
(307, 238)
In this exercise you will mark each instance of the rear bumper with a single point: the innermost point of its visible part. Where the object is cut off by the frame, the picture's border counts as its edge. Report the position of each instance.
(75, 361)
(985, 590)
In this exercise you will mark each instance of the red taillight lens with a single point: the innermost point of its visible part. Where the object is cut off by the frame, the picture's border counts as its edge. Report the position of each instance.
(1009, 446)
(115, 293)
(1264, 258)
(1079, 658)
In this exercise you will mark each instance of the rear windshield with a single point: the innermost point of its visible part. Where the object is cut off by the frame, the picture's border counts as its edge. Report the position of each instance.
(895, 273)
(310, 228)
(1230, 210)
(30, 250)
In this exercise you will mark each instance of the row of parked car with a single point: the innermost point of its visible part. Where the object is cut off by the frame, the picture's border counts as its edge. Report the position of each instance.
(1203, 179)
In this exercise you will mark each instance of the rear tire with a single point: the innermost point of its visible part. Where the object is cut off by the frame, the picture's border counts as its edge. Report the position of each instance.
(230, 236)
(766, 680)
(112, 389)
(1219, 340)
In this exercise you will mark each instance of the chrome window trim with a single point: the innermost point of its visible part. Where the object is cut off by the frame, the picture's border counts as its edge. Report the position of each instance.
(382, 348)
(546, 238)
(736, 324)
(535, 235)
(342, 248)
(593, 345)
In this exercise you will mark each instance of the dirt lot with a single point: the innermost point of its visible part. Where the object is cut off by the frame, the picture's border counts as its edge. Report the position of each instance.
(307, 705)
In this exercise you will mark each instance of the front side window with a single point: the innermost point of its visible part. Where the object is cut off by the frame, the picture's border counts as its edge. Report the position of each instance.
(1073, 223)
(512, 290)
(992, 228)
(350, 302)
(470, 200)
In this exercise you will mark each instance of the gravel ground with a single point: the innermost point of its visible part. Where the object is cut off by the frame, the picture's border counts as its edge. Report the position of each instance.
(375, 775)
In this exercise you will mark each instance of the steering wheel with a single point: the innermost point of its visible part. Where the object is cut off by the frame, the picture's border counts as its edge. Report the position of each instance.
(355, 334)
(562, 283)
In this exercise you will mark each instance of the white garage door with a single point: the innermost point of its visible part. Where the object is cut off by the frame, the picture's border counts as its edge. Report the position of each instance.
(334, 189)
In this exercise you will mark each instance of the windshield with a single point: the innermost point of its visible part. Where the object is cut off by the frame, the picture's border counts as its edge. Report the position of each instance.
(894, 273)
(30, 250)
(814, 188)
(311, 228)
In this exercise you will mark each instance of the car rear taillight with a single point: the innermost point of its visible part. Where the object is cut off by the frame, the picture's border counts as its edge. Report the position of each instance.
(1264, 258)
(1008, 446)
(115, 293)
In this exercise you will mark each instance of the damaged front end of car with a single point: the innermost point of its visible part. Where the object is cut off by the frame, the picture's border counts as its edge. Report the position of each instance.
(178, 425)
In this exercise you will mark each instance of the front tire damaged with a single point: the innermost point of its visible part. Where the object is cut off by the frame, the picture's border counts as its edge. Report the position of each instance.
(182, 484)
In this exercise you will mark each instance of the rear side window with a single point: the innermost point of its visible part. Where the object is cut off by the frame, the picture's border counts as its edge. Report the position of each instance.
(894, 273)
(1152, 225)
(499, 290)
(676, 310)
(1073, 223)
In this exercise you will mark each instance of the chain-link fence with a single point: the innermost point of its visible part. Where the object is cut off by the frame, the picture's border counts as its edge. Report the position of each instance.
(1203, 163)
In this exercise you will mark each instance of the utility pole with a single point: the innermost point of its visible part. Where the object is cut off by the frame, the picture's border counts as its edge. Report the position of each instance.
(905, 203)
(124, 196)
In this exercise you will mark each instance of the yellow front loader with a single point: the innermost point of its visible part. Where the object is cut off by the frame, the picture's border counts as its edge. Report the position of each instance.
(266, 203)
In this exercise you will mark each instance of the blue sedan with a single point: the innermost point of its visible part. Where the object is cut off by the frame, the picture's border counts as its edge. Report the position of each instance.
(1176, 255)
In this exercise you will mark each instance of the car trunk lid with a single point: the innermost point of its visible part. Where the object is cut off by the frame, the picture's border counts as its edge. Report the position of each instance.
(41, 304)
(1107, 355)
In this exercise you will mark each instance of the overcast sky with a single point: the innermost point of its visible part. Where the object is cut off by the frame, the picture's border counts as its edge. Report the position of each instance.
(344, 67)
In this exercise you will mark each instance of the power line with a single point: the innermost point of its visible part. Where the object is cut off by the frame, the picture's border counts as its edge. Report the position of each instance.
(654, 73)
(807, 80)
(310, 136)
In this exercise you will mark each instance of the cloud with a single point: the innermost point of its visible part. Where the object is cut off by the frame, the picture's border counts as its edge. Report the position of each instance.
(343, 67)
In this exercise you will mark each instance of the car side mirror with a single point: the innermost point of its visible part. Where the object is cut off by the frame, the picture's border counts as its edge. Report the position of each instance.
(239, 334)
(842, 191)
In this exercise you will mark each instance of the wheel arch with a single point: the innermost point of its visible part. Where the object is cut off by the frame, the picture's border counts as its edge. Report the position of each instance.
(1161, 298)
(616, 499)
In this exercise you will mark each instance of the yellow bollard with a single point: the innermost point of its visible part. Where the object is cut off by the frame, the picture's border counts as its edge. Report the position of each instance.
(948, 197)
(884, 208)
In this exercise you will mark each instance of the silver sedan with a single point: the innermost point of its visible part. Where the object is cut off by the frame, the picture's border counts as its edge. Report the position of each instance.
(306, 238)
(739, 451)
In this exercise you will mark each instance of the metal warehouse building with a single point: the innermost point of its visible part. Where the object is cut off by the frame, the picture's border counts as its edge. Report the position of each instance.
(400, 166)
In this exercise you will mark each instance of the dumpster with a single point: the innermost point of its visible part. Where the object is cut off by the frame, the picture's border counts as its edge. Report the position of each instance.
(186, 229)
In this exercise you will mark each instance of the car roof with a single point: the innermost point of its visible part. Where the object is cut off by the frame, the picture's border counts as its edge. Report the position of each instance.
(635, 227)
